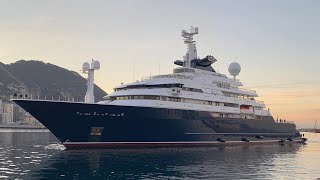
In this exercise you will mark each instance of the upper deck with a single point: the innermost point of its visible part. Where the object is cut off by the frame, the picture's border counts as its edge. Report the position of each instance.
(194, 84)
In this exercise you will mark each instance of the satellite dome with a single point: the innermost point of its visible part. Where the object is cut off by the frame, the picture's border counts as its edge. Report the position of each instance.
(95, 65)
(85, 66)
(234, 69)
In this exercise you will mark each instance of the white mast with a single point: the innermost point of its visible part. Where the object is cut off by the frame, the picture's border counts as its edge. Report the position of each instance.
(192, 51)
(87, 69)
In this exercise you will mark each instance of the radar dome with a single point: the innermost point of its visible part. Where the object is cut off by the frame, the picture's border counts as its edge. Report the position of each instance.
(95, 65)
(234, 69)
(85, 66)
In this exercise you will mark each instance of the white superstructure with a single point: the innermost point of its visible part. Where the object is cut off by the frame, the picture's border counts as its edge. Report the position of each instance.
(193, 86)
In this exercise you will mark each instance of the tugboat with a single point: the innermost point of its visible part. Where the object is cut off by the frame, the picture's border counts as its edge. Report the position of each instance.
(193, 106)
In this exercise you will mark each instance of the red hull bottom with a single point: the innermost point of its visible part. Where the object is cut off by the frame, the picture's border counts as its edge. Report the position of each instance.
(90, 145)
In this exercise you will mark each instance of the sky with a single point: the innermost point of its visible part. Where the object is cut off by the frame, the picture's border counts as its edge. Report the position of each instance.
(277, 43)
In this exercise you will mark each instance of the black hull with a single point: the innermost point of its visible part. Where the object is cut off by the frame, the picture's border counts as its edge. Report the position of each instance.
(79, 125)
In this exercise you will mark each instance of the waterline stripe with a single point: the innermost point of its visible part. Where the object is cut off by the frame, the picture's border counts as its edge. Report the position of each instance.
(178, 142)
(239, 133)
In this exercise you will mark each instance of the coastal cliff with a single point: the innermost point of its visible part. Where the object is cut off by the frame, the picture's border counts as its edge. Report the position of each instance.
(38, 79)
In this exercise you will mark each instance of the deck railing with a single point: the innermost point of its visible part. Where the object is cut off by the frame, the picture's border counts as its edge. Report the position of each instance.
(261, 102)
(177, 76)
(247, 90)
(52, 98)
(285, 122)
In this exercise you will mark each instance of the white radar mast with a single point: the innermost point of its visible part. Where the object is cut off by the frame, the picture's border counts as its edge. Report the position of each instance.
(192, 51)
(89, 69)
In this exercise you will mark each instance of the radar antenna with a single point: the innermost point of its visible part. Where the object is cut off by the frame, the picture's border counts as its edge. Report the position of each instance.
(89, 69)
(192, 50)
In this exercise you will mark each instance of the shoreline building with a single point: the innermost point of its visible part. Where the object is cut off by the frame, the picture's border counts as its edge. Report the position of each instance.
(13, 114)
(1, 111)
(7, 113)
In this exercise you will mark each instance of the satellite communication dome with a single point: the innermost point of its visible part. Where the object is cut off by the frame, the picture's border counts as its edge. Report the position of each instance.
(85, 66)
(95, 65)
(234, 69)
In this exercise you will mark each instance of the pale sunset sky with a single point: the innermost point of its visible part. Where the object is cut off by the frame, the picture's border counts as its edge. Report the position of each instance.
(276, 42)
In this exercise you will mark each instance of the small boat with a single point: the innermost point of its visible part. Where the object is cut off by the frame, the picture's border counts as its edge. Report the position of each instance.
(315, 130)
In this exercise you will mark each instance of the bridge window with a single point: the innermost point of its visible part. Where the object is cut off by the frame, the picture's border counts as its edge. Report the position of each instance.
(183, 70)
(192, 89)
(144, 86)
(135, 97)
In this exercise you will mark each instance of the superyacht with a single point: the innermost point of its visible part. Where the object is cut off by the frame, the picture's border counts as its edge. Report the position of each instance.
(193, 106)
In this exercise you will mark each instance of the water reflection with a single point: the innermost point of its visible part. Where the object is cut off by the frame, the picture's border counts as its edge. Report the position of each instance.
(37, 155)
(233, 162)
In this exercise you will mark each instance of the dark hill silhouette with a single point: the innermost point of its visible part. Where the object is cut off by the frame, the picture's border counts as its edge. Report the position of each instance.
(37, 78)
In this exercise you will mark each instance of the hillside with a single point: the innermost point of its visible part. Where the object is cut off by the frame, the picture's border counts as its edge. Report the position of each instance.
(37, 78)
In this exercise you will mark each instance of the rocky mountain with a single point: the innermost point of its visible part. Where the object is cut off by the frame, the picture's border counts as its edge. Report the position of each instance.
(36, 78)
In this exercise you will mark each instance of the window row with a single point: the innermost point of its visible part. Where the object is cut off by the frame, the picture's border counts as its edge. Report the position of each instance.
(135, 97)
(175, 99)
(144, 86)
(183, 70)
(192, 89)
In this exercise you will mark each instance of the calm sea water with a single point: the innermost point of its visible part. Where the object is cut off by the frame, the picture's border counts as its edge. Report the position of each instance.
(38, 155)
